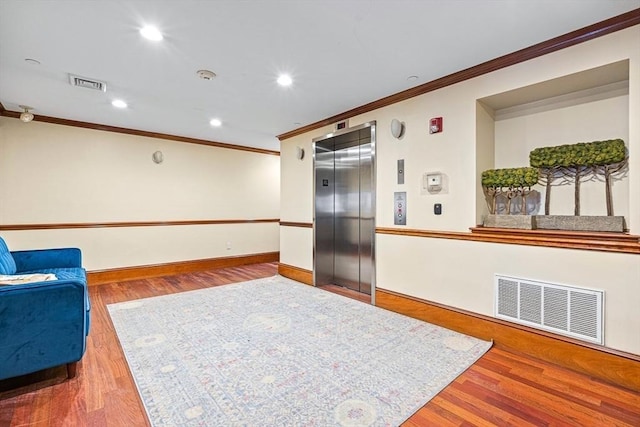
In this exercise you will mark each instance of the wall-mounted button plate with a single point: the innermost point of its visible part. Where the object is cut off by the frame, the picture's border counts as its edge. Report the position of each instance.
(400, 208)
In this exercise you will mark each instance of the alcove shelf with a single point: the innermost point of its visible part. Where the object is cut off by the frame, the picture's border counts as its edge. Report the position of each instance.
(587, 106)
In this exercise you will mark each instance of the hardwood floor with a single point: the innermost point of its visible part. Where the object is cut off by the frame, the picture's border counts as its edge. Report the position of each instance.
(501, 389)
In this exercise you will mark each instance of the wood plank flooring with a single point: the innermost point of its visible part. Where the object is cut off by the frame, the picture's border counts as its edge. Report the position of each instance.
(502, 388)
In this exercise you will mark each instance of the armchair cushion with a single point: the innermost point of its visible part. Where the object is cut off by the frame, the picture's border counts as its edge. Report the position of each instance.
(75, 273)
(7, 262)
(72, 274)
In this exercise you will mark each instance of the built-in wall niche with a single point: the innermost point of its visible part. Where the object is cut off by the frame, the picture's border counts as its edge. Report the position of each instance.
(592, 105)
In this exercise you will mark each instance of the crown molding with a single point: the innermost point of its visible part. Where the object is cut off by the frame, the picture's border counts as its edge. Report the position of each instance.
(581, 35)
(96, 126)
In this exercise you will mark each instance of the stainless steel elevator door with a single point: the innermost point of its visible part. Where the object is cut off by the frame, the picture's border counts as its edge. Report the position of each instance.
(324, 216)
(344, 217)
(367, 218)
(347, 218)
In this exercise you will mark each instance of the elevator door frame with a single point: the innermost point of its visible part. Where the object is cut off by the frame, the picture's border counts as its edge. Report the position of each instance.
(372, 126)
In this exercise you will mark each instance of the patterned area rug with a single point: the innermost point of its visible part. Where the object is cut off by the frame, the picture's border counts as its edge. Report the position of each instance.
(274, 352)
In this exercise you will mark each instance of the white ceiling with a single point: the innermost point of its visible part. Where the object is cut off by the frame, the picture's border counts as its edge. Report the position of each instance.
(341, 54)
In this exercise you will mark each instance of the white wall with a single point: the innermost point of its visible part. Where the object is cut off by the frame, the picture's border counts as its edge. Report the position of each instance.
(59, 174)
(460, 273)
(291, 254)
(296, 179)
(598, 120)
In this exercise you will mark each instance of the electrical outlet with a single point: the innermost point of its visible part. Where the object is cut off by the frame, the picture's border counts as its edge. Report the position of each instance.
(228, 246)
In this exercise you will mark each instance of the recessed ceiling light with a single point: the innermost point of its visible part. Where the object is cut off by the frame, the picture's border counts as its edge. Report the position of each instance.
(32, 61)
(215, 122)
(151, 33)
(119, 103)
(285, 80)
(412, 78)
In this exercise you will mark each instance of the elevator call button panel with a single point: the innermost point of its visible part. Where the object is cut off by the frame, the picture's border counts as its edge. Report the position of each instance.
(401, 171)
(400, 208)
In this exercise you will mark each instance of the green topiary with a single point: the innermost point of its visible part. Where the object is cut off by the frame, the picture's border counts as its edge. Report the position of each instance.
(510, 178)
(597, 153)
(578, 162)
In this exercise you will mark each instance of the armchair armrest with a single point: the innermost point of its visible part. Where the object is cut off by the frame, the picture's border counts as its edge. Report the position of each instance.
(44, 324)
(47, 258)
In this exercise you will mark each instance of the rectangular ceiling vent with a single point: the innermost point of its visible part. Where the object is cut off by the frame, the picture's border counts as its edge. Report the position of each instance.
(87, 83)
(565, 310)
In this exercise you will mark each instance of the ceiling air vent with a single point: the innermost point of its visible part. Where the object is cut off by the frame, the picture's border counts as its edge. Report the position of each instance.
(87, 83)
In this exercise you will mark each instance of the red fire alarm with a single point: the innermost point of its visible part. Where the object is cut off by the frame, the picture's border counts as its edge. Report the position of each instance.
(435, 125)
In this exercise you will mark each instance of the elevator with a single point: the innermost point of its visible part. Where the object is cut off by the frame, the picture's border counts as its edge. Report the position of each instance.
(344, 209)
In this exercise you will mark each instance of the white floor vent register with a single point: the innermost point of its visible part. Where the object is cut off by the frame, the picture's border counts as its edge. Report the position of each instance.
(565, 310)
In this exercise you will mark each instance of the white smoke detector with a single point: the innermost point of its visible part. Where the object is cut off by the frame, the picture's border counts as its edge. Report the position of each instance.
(206, 74)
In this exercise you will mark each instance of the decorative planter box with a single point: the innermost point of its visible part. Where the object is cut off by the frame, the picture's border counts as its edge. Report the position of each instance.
(614, 224)
(523, 222)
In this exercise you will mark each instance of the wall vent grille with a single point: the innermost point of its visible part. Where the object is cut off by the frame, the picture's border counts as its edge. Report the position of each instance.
(565, 310)
(87, 83)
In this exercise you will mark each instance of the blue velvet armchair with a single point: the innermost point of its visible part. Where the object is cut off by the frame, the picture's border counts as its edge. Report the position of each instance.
(43, 324)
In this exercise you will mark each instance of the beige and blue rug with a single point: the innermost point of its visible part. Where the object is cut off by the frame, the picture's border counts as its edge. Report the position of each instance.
(274, 352)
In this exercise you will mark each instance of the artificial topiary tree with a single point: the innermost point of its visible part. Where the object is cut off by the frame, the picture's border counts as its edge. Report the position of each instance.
(509, 182)
(579, 162)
